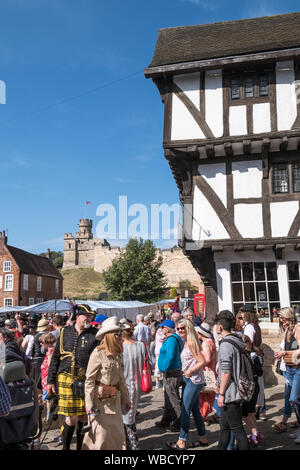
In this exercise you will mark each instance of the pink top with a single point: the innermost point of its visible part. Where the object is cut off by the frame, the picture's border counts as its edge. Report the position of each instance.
(188, 361)
(210, 354)
(45, 367)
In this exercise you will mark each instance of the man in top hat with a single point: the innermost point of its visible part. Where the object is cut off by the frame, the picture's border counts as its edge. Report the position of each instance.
(67, 368)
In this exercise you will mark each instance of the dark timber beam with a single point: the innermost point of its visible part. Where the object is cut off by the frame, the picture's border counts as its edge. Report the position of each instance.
(247, 146)
(265, 157)
(210, 151)
(228, 149)
(284, 144)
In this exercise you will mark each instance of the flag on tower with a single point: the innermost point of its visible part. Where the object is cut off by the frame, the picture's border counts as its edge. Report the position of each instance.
(88, 203)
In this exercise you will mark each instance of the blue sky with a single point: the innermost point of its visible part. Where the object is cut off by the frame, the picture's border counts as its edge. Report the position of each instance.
(62, 144)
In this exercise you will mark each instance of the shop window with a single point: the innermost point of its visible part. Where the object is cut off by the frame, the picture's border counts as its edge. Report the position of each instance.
(256, 284)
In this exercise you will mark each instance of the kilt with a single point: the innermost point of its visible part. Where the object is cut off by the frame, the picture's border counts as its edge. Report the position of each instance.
(68, 405)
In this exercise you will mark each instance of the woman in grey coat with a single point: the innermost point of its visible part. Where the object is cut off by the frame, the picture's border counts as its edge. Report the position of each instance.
(133, 359)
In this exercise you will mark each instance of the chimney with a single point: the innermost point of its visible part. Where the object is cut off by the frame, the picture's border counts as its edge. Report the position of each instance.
(3, 238)
(48, 255)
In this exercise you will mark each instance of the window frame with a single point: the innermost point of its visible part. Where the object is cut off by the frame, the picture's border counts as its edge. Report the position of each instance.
(39, 282)
(25, 284)
(242, 77)
(5, 263)
(8, 298)
(6, 282)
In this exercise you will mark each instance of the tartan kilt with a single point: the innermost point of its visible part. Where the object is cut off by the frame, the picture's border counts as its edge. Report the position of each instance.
(68, 405)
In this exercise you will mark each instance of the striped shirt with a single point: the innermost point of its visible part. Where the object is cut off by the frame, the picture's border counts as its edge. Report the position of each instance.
(5, 399)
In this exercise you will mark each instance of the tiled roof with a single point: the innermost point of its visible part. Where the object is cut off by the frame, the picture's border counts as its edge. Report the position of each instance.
(34, 264)
(226, 39)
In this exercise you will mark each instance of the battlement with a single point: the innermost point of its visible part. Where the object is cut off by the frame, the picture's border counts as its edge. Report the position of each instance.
(68, 236)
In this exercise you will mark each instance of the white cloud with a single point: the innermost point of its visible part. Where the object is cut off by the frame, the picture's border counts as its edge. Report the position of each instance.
(204, 4)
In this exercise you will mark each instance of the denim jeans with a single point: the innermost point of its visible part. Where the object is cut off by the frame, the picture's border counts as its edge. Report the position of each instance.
(190, 404)
(292, 387)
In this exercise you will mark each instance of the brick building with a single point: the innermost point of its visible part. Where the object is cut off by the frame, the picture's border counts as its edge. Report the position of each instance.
(25, 278)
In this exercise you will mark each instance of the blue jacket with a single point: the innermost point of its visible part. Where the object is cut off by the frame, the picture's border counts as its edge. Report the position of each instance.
(169, 356)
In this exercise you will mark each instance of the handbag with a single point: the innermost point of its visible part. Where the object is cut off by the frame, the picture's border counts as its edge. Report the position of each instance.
(146, 374)
(210, 381)
(278, 370)
(78, 388)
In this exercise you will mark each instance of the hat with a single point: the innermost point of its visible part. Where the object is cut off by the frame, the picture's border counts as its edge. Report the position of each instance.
(99, 319)
(204, 329)
(168, 324)
(82, 309)
(150, 314)
(109, 326)
(7, 322)
(42, 325)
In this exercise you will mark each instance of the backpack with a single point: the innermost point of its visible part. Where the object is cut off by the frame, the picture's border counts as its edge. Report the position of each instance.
(246, 383)
(21, 423)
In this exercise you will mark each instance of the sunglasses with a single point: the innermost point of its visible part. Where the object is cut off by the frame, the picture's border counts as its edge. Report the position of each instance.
(181, 328)
(240, 318)
(119, 333)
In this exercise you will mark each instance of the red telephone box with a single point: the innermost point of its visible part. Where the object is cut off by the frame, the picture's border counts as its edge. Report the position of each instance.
(199, 306)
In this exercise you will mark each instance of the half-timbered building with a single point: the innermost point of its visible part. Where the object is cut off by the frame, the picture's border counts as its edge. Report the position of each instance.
(231, 94)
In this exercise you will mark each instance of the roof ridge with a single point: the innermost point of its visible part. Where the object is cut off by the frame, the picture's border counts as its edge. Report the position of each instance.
(231, 21)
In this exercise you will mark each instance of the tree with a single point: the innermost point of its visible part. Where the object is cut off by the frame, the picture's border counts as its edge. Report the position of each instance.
(136, 274)
(173, 293)
(57, 258)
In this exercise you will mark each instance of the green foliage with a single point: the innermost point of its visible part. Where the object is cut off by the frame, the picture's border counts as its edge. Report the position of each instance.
(57, 258)
(136, 274)
(173, 293)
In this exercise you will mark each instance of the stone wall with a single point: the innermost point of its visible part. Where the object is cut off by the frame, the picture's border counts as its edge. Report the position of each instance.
(271, 343)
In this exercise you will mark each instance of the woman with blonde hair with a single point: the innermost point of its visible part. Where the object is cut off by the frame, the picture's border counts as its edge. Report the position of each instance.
(193, 362)
(291, 349)
(106, 390)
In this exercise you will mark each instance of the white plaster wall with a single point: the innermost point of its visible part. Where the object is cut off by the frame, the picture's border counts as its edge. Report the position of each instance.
(247, 178)
(238, 120)
(206, 223)
(184, 125)
(282, 216)
(283, 284)
(261, 118)
(286, 95)
(214, 101)
(224, 285)
(215, 175)
(248, 220)
(190, 84)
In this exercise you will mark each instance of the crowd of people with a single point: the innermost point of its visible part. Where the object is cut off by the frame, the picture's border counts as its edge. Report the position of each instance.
(94, 367)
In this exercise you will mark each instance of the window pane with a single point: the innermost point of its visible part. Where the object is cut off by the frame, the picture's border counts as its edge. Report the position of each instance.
(294, 291)
(259, 269)
(271, 271)
(236, 272)
(247, 271)
(237, 292)
(273, 291)
(249, 87)
(280, 178)
(293, 270)
(261, 292)
(249, 292)
(263, 85)
(296, 177)
(235, 89)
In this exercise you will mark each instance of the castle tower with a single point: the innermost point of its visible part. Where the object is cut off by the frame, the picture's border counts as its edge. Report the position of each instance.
(85, 229)
(70, 251)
